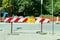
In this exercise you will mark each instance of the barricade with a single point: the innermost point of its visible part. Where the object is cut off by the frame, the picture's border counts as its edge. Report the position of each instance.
(25, 20)
(37, 20)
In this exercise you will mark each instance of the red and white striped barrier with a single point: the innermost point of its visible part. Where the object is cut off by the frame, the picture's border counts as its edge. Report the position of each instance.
(42, 20)
(11, 19)
(15, 20)
(38, 20)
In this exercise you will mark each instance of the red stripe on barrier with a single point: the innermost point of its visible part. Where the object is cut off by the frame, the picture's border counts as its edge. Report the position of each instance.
(17, 19)
(9, 20)
(42, 20)
(25, 20)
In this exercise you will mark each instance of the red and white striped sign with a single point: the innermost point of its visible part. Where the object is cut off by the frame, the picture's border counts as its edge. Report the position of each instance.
(38, 20)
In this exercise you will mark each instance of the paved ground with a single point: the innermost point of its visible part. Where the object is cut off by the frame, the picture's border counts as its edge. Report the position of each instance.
(25, 26)
(28, 36)
(28, 31)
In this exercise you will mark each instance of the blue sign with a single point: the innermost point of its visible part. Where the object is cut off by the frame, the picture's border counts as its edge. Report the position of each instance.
(4, 14)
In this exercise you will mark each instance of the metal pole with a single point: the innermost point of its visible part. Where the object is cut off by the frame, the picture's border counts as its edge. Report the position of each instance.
(41, 15)
(52, 17)
(11, 27)
(41, 10)
(41, 7)
(41, 27)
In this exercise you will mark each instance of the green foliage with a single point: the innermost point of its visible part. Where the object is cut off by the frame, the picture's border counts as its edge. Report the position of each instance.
(48, 6)
(31, 7)
(20, 5)
(57, 8)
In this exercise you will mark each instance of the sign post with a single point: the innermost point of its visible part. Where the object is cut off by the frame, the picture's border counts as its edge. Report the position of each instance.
(52, 17)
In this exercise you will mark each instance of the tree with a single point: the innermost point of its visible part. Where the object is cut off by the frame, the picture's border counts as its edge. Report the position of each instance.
(21, 5)
(7, 6)
(30, 7)
(7, 3)
(0, 3)
(48, 6)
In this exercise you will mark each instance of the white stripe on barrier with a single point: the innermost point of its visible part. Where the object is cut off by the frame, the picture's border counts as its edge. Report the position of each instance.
(38, 19)
(6, 19)
(20, 20)
(13, 19)
(46, 20)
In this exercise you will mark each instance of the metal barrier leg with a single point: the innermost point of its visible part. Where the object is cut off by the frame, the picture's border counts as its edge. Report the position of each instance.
(12, 30)
(41, 32)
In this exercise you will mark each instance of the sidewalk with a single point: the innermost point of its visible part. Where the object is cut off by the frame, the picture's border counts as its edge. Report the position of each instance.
(28, 36)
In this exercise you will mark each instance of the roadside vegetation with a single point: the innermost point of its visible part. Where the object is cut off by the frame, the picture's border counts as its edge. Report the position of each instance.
(30, 7)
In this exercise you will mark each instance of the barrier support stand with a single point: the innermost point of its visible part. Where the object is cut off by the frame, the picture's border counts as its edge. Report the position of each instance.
(11, 31)
(11, 27)
(41, 32)
(41, 27)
